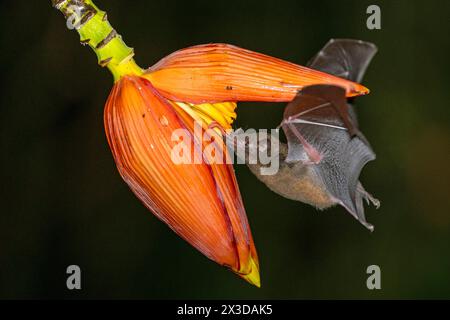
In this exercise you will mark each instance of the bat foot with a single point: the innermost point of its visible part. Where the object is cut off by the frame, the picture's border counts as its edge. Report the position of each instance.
(368, 197)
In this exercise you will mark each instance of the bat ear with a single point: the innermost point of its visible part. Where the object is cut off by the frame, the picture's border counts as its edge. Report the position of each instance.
(345, 58)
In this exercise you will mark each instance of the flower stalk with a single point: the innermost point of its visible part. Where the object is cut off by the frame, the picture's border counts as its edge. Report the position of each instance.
(95, 31)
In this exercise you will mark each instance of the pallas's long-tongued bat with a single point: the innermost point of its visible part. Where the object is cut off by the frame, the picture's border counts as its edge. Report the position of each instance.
(325, 151)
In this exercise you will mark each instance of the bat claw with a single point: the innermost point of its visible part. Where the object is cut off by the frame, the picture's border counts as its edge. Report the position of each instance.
(368, 197)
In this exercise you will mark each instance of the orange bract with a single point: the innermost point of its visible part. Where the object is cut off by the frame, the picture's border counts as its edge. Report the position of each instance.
(200, 202)
(221, 72)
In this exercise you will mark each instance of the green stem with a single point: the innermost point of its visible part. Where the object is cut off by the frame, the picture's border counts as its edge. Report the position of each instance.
(94, 29)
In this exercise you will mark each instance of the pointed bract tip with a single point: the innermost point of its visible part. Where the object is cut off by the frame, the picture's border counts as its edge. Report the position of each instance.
(253, 276)
(360, 90)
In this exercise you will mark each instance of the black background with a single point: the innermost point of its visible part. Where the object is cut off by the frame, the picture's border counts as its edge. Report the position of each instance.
(63, 202)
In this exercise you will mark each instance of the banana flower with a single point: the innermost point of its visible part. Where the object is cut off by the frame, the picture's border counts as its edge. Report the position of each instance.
(201, 202)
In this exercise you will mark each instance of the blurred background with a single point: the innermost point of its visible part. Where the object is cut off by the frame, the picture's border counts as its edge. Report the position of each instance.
(63, 201)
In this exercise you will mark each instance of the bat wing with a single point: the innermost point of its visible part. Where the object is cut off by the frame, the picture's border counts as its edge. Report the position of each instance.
(321, 131)
(320, 107)
(345, 58)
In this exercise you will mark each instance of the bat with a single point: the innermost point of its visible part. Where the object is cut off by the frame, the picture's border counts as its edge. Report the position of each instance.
(325, 151)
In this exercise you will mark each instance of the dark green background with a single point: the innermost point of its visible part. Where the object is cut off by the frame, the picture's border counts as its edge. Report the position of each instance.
(63, 202)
